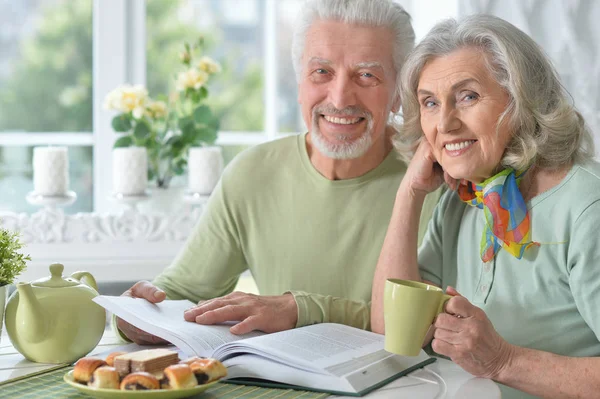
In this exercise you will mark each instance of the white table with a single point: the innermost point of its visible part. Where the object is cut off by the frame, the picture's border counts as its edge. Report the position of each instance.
(440, 380)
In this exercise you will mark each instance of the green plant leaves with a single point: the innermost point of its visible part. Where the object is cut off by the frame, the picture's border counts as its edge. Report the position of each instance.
(203, 114)
(124, 141)
(121, 123)
(12, 262)
(141, 130)
(179, 167)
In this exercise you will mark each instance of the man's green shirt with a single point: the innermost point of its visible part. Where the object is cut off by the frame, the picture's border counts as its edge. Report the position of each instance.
(296, 231)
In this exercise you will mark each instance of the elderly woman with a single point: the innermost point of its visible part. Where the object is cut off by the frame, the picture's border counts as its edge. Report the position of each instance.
(516, 239)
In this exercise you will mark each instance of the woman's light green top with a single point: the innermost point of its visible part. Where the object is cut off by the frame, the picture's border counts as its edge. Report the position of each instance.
(548, 300)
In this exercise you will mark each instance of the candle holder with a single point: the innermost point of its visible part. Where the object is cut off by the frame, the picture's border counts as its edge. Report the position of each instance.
(193, 198)
(130, 201)
(51, 201)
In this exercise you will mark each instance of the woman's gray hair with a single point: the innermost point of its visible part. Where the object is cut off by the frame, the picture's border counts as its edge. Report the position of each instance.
(379, 13)
(547, 128)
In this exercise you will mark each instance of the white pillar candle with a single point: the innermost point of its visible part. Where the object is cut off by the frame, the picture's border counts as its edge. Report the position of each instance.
(50, 171)
(205, 165)
(130, 170)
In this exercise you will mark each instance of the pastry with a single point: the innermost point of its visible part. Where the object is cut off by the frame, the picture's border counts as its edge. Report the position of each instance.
(178, 376)
(191, 360)
(208, 370)
(85, 367)
(105, 377)
(149, 360)
(139, 381)
(110, 359)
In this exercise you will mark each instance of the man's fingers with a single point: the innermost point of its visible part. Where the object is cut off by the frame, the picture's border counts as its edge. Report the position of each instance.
(192, 313)
(244, 327)
(148, 291)
(221, 315)
(212, 304)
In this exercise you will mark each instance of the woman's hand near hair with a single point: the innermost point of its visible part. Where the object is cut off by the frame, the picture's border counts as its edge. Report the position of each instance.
(424, 173)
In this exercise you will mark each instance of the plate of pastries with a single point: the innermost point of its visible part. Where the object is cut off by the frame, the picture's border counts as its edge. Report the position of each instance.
(153, 373)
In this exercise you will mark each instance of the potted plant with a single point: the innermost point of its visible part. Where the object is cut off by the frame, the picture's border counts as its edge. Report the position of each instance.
(12, 263)
(168, 126)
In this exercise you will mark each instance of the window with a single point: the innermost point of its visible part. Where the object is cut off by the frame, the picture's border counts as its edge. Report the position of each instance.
(45, 94)
(61, 57)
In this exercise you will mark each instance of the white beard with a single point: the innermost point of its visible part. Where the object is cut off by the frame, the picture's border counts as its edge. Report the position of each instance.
(351, 150)
(346, 150)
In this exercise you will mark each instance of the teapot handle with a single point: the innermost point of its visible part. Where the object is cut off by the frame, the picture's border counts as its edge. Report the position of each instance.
(86, 278)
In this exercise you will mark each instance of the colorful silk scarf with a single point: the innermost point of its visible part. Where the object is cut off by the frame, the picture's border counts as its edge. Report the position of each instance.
(506, 217)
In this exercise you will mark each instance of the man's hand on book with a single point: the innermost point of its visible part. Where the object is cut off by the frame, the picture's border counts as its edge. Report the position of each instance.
(254, 312)
(151, 293)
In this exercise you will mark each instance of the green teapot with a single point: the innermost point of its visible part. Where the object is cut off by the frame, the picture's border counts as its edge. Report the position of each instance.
(53, 319)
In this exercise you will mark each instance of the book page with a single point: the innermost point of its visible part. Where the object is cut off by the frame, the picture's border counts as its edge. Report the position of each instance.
(331, 348)
(165, 320)
(350, 359)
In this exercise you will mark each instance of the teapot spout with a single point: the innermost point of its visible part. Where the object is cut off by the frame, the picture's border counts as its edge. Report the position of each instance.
(31, 322)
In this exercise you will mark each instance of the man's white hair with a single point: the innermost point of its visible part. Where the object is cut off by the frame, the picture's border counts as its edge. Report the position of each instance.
(377, 13)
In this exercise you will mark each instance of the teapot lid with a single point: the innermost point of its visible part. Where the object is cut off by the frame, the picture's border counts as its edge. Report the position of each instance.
(55, 280)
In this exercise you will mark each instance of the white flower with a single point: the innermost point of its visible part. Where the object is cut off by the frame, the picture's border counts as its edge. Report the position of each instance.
(191, 79)
(209, 65)
(157, 109)
(127, 98)
(138, 112)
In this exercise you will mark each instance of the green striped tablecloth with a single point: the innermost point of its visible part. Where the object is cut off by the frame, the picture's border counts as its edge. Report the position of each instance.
(51, 385)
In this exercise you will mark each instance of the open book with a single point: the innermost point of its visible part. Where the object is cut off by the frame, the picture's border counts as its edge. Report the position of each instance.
(322, 357)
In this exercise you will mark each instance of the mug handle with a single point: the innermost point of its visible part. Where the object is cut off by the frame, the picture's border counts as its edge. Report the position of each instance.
(445, 298)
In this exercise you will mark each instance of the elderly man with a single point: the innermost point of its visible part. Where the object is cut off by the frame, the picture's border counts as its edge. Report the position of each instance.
(306, 214)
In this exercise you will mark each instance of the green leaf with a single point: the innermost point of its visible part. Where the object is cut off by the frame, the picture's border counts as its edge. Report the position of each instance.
(215, 123)
(173, 140)
(203, 93)
(203, 114)
(152, 144)
(185, 123)
(190, 134)
(179, 167)
(150, 174)
(141, 130)
(206, 135)
(121, 123)
(124, 141)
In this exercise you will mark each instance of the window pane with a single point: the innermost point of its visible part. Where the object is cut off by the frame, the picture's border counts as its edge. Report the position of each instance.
(46, 65)
(289, 116)
(16, 179)
(232, 31)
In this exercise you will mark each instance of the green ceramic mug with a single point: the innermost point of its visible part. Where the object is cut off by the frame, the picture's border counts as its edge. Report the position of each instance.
(409, 308)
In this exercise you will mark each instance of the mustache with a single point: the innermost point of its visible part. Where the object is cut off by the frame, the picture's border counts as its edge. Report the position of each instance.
(352, 110)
